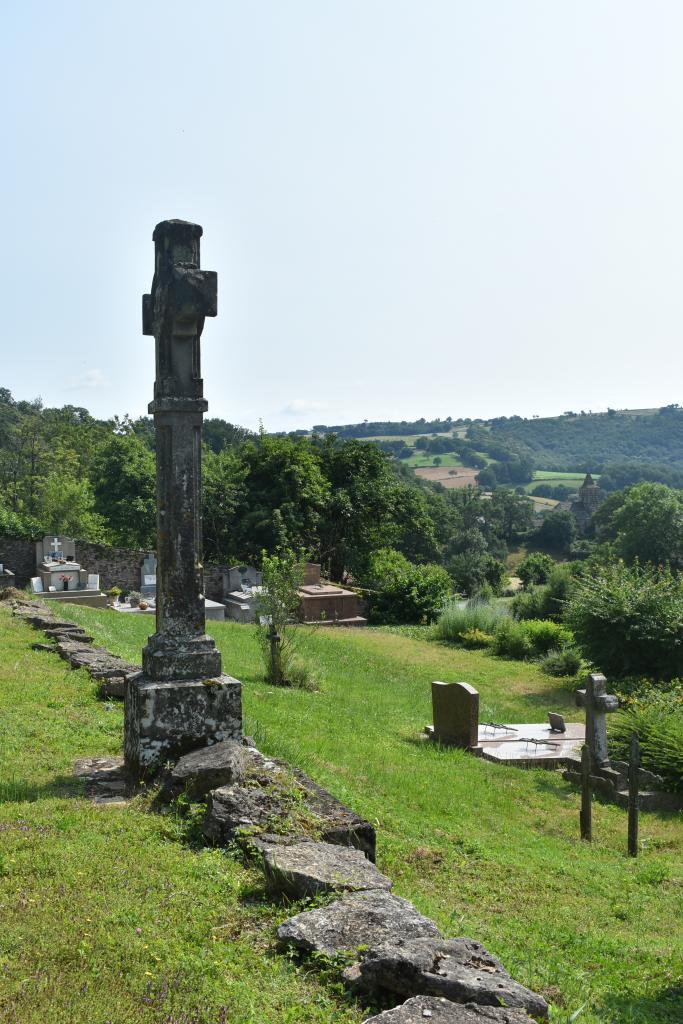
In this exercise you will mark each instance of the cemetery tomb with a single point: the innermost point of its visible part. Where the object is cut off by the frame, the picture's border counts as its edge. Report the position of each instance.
(455, 708)
(61, 578)
(7, 578)
(148, 577)
(241, 587)
(327, 603)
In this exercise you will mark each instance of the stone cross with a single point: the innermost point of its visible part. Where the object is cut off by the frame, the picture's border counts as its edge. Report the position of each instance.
(55, 545)
(182, 296)
(597, 703)
(180, 701)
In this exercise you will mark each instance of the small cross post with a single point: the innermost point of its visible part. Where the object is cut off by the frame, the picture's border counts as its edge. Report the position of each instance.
(633, 766)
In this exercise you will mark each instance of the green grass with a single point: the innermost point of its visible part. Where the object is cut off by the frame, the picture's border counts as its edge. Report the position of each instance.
(420, 459)
(487, 851)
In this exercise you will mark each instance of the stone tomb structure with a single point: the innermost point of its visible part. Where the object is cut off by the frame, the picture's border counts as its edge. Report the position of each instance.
(327, 603)
(323, 603)
(455, 707)
(181, 700)
(61, 578)
(241, 587)
(148, 577)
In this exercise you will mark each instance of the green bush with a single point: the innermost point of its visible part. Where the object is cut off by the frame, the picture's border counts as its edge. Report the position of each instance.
(658, 720)
(545, 635)
(512, 640)
(403, 593)
(529, 639)
(628, 620)
(546, 602)
(561, 663)
(454, 621)
(535, 568)
(474, 638)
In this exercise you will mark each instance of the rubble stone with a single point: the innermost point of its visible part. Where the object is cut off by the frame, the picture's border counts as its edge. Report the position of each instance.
(435, 1010)
(205, 769)
(361, 919)
(307, 868)
(457, 969)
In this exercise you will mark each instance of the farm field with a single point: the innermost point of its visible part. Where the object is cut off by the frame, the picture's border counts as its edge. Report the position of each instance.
(487, 851)
(449, 478)
(545, 476)
(420, 459)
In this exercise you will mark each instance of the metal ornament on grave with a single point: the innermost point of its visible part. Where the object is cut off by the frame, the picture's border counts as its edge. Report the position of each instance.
(597, 703)
(180, 701)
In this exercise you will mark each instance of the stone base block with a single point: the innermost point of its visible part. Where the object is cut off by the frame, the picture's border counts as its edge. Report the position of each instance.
(165, 720)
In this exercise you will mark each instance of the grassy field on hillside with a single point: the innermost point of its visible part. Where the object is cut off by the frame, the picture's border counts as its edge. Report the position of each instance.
(421, 459)
(487, 851)
(115, 915)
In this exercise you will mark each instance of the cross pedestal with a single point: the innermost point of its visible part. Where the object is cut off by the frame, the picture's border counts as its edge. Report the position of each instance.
(180, 701)
(597, 703)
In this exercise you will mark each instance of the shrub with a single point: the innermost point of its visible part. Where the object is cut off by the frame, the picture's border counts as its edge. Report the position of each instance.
(658, 720)
(134, 598)
(455, 621)
(474, 638)
(628, 620)
(512, 640)
(545, 635)
(547, 602)
(535, 568)
(403, 593)
(530, 638)
(561, 663)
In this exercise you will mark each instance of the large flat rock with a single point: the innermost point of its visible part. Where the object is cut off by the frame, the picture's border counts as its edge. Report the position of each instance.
(274, 797)
(308, 868)
(360, 919)
(457, 969)
(197, 773)
(436, 1010)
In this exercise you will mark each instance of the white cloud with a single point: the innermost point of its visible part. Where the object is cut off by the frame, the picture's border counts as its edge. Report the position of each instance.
(302, 407)
(88, 380)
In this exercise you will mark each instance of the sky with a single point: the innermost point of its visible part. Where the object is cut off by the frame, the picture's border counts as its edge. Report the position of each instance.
(415, 207)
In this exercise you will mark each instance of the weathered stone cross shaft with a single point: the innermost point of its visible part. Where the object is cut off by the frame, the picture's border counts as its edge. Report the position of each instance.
(597, 703)
(180, 701)
(182, 296)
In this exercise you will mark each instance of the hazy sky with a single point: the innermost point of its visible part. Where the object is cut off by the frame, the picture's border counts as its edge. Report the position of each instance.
(415, 207)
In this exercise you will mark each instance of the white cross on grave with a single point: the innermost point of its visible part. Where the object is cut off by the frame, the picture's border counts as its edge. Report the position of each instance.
(55, 545)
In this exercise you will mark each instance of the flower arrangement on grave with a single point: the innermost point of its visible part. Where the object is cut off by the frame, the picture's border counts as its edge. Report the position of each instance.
(64, 579)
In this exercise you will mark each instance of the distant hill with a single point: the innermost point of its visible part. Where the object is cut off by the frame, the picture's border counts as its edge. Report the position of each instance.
(624, 445)
(591, 441)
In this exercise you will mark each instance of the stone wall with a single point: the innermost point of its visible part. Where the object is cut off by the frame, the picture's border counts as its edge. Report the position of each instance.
(18, 556)
(117, 567)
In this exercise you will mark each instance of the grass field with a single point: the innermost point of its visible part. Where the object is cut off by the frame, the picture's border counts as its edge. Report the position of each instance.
(546, 476)
(487, 851)
(420, 459)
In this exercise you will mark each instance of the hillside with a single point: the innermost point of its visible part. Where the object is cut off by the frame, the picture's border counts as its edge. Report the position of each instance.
(592, 441)
(485, 850)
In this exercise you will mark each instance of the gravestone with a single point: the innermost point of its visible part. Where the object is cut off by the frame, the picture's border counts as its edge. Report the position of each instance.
(455, 707)
(180, 701)
(597, 703)
(148, 576)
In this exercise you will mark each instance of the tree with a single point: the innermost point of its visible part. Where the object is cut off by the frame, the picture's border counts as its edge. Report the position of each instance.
(223, 477)
(645, 522)
(402, 592)
(278, 606)
(629, 620)
(124, 488)
(535, 568)
(511, 514)
(67, 506)
(556, 533)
